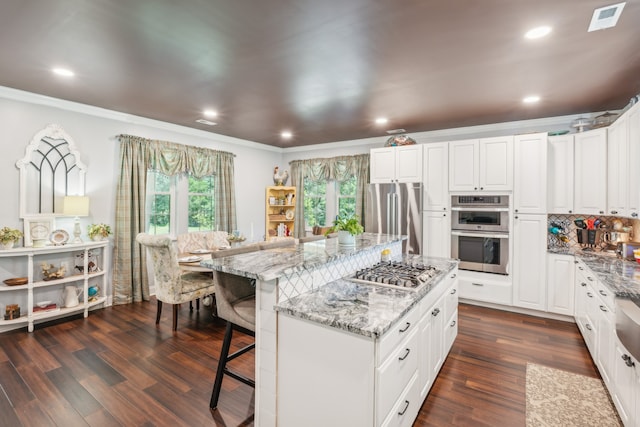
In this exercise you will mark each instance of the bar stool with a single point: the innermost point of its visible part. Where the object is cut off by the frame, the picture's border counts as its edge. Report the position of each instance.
(236, 299)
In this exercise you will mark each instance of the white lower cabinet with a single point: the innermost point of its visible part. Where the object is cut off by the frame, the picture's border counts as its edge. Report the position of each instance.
(560, 284)
(529, 264)
(627, 387)
(360, 381)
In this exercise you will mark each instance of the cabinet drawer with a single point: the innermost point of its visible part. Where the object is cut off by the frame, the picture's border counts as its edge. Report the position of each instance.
(451, 301)
(396, 372)
(450, 332)
(605, 295)
(406, 408)
(399, 331)
(481, 290)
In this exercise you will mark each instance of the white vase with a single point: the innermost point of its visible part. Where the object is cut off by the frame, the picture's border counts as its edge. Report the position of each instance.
(345, 238)
(98, 238)
(7, 245)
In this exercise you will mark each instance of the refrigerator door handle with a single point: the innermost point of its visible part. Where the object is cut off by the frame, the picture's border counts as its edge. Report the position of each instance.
(388, 218)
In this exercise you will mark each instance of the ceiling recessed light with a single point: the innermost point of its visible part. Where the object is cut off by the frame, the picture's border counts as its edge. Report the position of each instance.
(538, 32)
(206, 122)
(65, 72)
(382, 121)
(286, 134)
(210, 113)
(531, 99)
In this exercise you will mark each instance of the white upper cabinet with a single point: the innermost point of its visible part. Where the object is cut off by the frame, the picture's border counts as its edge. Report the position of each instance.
(560, 174)
(481, 165)
(590, 182)
(633, 135)
(396, 164)
(530, 173)
(435, 173)
(617, 167)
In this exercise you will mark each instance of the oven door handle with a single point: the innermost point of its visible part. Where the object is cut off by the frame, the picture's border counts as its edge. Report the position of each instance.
(480, 234)
(472, 209)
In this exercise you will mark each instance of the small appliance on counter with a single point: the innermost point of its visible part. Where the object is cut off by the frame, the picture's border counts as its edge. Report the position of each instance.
(625, 250)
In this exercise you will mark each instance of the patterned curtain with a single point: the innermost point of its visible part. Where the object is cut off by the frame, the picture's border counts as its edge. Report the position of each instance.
(137, 156)
(335, 168)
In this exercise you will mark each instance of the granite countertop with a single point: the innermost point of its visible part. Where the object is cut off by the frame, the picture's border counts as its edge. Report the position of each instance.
(622, 277)
(272, 264)
(364, 309)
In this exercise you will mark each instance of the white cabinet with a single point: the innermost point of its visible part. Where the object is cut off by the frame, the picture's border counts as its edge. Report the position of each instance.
(436, 234)
(560, 284)
(617, 168)
(364, 381)
(85, 265)
(396, 164)
(625, 377)
(560, 174)
(435, 172)
(623, 173)
(529, 264)
(530, 173)
(481, 165)
(590, 180)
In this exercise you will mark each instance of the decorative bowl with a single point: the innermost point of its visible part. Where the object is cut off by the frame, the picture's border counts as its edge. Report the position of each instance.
(43, 304)
(16, 281)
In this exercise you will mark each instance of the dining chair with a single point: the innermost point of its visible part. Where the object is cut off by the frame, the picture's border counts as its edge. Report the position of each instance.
(173, 285)
(236, 299)
(187, 242)
(216, 239)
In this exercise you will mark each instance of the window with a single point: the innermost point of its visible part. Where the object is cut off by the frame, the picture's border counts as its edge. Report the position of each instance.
(326, 199)
(179, 204)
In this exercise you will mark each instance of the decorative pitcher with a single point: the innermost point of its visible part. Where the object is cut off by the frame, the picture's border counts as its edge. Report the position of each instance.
(71, 294)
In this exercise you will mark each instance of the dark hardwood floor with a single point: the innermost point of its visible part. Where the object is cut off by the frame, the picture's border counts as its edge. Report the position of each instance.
(116, 368)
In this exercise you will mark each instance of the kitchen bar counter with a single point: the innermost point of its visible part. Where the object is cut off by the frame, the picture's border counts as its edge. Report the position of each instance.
(364, 309)
(620, 276)
(276, 263)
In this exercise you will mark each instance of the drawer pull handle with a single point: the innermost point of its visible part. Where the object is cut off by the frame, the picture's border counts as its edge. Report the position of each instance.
(406, 354)
(603, 293)
(603, 308)
(627, 360)
(435, 312)
(453, 323)
(406, 327)
(453, 276)
(406, 406)
(583, 284)
(477, 284)
(589, 294)
(590, 278)
(580, 268)
(454, 291)
(588, 326)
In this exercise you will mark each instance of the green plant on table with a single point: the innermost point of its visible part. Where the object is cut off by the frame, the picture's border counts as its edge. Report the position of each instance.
(102, 230)
(8, 235)
(349, 223)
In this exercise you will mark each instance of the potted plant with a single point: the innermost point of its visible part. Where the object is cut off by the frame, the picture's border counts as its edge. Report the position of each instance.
(99, 231)
(348, 227)
(9, 236)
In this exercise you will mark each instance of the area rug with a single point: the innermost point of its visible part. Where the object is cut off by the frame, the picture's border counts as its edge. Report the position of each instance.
(561, 398)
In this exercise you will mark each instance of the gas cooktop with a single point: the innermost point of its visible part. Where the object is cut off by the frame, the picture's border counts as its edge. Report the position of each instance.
(397, 275)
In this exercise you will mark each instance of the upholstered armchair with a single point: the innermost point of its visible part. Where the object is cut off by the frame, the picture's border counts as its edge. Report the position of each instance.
(173, 285)
(188, 242)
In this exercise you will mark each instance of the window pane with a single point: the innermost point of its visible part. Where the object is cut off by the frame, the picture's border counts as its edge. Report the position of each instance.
(347, 197)
(201, 204)
(158, 203)
(315, 205)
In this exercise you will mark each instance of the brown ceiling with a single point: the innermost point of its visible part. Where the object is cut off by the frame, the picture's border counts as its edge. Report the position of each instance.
(325, 69)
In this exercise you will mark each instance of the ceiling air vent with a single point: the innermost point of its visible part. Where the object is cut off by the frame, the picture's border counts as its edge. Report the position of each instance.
(396, 131)
(206, 122)
(606, 17)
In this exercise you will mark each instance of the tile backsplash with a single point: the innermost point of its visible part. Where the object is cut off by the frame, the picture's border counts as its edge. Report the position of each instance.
(568, 228)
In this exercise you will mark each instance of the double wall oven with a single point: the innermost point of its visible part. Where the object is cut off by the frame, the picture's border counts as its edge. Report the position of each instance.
(480, 232)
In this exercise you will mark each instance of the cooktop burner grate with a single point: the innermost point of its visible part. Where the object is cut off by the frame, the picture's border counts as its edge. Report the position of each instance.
(397, 274)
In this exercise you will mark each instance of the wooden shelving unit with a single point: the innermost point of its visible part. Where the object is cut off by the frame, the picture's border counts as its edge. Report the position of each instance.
(280, 209)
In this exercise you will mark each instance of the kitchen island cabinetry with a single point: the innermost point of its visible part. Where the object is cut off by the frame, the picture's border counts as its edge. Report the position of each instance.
(560, 170)
(364, 380)
(85, 265)
(481, 164)
(590, 180)
(396, 164)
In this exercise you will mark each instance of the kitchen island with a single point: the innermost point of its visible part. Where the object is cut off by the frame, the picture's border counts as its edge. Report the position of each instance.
(285, 273)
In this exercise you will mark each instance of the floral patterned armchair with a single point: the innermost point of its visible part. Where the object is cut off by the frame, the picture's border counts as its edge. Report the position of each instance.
(173, 285)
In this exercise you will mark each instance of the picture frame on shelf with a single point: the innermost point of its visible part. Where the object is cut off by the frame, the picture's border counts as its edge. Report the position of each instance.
(37, 230)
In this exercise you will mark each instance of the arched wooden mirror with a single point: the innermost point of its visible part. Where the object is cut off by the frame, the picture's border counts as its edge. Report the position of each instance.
(50, 170)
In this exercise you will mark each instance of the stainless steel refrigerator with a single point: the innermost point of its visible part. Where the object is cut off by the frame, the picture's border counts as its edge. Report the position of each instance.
(396, 209)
